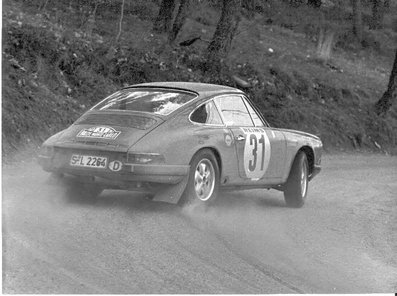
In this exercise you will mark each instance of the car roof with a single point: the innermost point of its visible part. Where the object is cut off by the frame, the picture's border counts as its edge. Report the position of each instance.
(202, 89)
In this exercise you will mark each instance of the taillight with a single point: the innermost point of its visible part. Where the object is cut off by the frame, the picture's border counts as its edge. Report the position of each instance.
(145, 158)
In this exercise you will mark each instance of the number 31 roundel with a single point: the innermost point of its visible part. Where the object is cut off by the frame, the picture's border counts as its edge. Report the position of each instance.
(256, 152)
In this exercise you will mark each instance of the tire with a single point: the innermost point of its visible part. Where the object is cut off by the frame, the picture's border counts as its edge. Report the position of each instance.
(297, 184)
(203, 183)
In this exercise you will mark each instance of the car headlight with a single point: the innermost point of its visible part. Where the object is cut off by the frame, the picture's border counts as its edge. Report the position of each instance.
(145, 158)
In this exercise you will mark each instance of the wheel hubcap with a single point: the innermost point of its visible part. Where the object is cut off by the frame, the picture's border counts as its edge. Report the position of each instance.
(204, 179)
(304, 179)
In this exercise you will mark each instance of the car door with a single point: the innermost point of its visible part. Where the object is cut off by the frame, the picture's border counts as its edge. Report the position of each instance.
(260, 150)
(277, 161)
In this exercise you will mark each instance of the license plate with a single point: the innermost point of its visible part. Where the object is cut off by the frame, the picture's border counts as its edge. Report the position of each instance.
(88, 161)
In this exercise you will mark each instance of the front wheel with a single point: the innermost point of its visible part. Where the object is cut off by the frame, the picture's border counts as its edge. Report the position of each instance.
(203, 183)
(297, 184)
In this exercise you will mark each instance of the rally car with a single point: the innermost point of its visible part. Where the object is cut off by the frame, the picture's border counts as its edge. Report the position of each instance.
(180, 141)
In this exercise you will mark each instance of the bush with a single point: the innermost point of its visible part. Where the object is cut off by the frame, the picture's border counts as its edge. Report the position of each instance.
(27, 43)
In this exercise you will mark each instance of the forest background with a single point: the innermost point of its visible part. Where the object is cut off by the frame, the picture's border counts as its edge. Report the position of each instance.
(326, 67)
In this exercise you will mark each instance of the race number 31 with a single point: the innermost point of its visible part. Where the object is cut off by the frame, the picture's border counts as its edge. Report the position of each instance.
(256, 152)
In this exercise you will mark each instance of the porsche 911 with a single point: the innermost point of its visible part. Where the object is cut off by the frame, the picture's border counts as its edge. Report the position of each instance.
(180, 142)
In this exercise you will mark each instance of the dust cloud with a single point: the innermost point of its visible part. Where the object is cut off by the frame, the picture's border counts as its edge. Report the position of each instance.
(250, 221)
(342, 240)
(26, 180)
(29, 195)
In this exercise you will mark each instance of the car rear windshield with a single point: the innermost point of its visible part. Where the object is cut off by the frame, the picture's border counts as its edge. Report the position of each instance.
(162, 102)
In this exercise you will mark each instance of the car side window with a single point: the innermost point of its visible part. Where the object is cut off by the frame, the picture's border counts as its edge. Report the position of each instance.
(257, 120)
(234, 111)
(207, 114)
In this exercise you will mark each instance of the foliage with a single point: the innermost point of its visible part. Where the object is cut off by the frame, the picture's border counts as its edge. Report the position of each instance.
(53, 71)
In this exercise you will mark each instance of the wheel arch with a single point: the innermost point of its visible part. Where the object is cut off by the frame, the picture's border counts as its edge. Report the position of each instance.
(309, 155)
(216, 154)
(185, 197)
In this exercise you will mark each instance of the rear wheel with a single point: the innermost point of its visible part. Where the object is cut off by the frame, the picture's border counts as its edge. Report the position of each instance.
(297, 184)
(203, 183)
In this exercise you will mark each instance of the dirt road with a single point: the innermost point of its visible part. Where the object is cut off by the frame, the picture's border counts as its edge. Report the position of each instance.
(343, 240)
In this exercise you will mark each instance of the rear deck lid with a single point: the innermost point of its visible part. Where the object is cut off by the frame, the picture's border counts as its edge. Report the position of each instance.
(109, 130)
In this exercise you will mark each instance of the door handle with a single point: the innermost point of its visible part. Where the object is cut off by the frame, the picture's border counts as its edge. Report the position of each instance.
(240, 138)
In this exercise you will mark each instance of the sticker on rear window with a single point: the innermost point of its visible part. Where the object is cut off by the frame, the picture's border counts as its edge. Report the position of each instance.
(101, 132)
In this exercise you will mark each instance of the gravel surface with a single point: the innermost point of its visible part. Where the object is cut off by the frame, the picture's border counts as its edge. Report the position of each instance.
(344, 240)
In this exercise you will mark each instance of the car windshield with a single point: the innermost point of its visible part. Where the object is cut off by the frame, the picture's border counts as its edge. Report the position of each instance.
(162, 102)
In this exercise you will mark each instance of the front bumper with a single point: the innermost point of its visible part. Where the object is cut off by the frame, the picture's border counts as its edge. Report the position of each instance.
(150, 173)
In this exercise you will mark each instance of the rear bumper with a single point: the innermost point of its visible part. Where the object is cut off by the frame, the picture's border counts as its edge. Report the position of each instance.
(151, 173)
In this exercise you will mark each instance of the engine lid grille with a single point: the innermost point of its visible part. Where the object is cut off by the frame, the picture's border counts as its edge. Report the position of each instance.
(123, 120)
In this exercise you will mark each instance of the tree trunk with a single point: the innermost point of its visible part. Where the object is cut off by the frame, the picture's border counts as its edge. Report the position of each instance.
(357, 20)
(164, 19)
(377, 15)
(179, 20)
(90, 25)
(390, 95)
(221, 42)
(121, 21)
